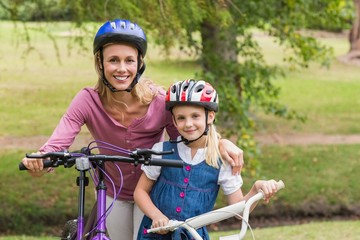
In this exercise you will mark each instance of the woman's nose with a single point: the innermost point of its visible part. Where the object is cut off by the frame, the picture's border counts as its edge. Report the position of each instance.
(120, 67)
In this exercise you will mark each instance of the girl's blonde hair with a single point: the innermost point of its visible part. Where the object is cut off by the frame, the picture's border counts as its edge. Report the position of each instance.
(145, 90)
(213, 157)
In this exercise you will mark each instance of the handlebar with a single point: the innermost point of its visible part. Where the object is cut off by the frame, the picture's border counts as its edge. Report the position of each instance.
(68, 159)
(245, 219)
(217, 215)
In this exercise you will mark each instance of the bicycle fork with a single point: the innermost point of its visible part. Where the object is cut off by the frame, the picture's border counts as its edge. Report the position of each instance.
(83, 165)
(101, 207)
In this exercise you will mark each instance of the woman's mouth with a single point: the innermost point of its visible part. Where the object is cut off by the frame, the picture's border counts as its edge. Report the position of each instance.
(121, 78)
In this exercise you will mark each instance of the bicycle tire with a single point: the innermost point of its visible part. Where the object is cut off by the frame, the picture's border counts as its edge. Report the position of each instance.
(69, 231)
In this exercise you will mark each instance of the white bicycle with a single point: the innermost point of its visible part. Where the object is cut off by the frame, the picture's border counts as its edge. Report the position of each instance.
(240, 209)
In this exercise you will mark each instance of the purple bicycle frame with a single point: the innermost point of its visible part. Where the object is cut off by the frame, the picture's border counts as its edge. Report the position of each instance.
(101, 205)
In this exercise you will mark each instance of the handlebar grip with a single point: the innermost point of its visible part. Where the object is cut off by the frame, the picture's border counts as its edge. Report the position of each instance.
(280, 185)
(47, 163)
(167, 163)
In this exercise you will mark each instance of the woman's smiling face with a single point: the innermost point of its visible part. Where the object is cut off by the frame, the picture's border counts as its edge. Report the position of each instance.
(120, 65)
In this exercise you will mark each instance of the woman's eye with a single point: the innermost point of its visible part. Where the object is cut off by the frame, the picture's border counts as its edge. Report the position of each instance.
(130, 60)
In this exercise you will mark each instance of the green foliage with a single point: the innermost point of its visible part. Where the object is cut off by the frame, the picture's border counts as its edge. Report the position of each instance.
(34, 10)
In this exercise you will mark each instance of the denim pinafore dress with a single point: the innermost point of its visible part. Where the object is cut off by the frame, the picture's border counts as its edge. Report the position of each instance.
(181, 193)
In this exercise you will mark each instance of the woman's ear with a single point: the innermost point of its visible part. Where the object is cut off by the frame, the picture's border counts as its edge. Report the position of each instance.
(98, 59)
(141, 63)
(211, 117)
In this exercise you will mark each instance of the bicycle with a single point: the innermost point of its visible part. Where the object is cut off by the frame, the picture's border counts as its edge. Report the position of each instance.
(85, 161)
(242, 207)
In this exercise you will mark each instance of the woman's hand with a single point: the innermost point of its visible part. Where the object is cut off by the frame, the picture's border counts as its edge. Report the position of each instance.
(232, 154)
(35, 166)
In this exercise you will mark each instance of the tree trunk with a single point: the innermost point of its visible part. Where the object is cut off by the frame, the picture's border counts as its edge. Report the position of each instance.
(353, 56)
(354, 36)
(219, 48)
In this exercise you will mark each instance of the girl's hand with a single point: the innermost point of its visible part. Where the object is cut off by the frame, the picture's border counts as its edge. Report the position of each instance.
(232, 154)
(160, 221)
(269, 188)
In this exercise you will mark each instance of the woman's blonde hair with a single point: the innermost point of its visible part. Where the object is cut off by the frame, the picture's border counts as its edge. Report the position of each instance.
(145, 90)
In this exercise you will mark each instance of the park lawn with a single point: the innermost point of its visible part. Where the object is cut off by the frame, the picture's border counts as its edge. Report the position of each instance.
(339, 230)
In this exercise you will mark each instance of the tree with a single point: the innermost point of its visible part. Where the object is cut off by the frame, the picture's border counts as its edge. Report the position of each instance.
(221, 33)
(353, 56)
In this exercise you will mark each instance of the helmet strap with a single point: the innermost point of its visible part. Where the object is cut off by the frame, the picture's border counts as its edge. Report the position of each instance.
(104, 80)
(138, 75)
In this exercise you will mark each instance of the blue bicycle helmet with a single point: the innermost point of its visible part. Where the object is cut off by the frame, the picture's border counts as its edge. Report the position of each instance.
(121, 31)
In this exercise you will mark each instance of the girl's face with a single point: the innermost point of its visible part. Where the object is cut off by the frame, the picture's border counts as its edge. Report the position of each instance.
(190, 120)
(120, 65)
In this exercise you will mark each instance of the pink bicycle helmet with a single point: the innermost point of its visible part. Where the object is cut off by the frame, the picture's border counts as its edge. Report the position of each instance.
(195, 92)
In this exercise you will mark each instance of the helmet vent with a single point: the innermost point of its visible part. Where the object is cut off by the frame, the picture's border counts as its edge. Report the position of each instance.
(113, 25)
(199, 88)
(132, 26)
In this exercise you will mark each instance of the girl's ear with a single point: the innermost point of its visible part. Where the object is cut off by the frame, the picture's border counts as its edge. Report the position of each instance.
(211, 117)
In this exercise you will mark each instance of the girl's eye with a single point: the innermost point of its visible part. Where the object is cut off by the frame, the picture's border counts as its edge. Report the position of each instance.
(180, 118)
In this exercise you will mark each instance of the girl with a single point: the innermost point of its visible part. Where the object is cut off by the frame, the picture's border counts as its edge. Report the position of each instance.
(123, 109)
(173, 193)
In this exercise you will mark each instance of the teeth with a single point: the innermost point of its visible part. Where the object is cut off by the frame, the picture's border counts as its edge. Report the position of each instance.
(121, 78)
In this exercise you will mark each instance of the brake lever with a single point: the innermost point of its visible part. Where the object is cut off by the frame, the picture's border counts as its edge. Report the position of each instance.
(146, 155)
(148, 152)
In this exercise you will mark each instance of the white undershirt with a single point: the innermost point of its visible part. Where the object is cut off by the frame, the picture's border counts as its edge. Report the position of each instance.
(229, 183)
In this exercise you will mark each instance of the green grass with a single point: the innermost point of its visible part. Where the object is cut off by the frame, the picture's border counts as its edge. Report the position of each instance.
(328, 97)
(340, 230)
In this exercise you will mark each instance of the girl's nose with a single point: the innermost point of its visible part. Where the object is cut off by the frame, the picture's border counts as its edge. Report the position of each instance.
(188, 123)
